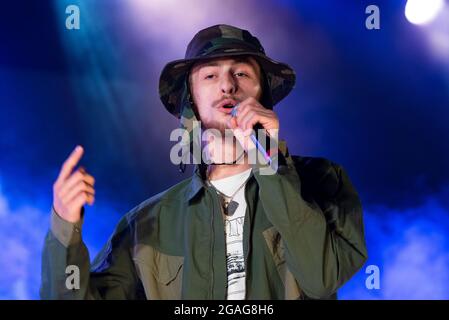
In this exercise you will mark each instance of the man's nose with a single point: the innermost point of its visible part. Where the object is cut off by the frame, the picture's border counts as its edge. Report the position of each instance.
(228, 85)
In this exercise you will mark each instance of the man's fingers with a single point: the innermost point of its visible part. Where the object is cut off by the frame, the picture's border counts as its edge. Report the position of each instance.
(249, 116)
(265, 118)
(242, 110)
(81, 186)
(248, 110)
(81, 199)
(75, 178)
(70, 163)
(232, 123)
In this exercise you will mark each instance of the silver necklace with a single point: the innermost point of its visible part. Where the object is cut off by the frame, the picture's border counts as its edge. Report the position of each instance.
(227, 203)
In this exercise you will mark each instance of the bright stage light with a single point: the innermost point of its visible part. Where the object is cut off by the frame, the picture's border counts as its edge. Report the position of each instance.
(422, 11)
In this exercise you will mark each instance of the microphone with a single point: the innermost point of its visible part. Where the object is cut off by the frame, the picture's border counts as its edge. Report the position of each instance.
(259, 146)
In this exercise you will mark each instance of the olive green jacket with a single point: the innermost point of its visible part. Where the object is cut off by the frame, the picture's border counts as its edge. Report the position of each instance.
(303, 238)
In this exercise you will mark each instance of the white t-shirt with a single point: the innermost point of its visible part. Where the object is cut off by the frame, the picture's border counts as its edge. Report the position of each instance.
(235, 262)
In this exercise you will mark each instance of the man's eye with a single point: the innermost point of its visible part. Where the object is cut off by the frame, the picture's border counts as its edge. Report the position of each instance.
(209, 76)
(241, 74)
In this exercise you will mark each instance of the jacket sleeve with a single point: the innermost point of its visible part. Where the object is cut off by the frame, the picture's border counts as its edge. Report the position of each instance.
(111, 276)
(318, 214)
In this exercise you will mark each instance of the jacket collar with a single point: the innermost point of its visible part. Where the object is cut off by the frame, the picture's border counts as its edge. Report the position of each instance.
(197, 182)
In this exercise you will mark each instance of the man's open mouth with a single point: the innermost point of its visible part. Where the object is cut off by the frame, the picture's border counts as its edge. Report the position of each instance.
(227, 105)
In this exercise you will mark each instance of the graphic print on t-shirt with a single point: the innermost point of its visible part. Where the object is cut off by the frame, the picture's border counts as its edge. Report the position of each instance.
(236, 267)
(235, 262)
(234, 226)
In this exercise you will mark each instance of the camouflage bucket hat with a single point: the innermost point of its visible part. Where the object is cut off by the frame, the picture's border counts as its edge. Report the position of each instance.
(221, 41)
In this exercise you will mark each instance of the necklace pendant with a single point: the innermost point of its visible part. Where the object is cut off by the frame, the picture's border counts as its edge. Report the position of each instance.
(230, 208)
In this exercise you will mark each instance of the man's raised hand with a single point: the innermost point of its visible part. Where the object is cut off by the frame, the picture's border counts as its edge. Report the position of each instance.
(73, 189)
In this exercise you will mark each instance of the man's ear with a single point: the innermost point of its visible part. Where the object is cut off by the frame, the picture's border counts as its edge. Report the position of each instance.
(190, 97)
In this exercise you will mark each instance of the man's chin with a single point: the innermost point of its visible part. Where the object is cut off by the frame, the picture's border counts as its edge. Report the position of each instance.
(220, 126)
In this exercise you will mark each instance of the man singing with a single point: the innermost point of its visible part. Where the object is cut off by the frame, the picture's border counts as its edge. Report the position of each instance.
(229, 231)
